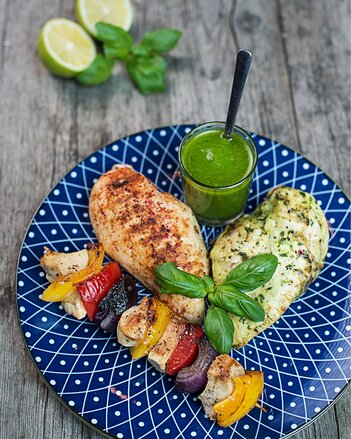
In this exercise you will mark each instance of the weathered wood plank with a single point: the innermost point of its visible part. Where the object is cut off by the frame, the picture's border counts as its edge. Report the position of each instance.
(297, 93)
(317, 50)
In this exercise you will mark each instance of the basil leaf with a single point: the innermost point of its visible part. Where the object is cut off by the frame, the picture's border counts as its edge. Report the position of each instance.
(252, 273)
(108, 33)
(174, 281)
(148, 74)
(161, 40)
(98, 72)
(114, 51)
(239, 304)
(219, 329)
(142, 50)
(209, 283)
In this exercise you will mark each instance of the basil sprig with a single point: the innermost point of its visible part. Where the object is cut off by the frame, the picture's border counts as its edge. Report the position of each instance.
(145, 65)
(230, 296)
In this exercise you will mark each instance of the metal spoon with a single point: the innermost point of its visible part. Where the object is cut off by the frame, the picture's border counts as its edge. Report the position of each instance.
(242, 67)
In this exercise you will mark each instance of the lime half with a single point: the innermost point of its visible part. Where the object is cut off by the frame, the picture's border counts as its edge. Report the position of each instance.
(65, 48)
(117, 12)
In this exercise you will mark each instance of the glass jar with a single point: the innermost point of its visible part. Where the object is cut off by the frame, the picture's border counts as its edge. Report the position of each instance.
(217, 172)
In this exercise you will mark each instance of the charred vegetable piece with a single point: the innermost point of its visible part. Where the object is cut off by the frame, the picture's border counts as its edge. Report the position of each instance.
(226, 408)
(121, 297)
(96, 287)
(193, 379)
(186, 349)
(248, 389)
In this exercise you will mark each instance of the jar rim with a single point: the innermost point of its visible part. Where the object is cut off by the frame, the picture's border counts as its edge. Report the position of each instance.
(221, 124)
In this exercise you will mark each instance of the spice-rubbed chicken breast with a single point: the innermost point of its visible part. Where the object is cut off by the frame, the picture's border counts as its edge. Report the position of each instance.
(220, 383)
(290, 224)
(141, 227)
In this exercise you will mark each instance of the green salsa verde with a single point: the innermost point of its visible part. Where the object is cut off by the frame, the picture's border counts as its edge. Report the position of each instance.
(215, 161)
(217, 172)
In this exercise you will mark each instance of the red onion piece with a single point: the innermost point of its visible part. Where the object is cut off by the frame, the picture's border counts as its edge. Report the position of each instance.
(193, 379)
(121, 297)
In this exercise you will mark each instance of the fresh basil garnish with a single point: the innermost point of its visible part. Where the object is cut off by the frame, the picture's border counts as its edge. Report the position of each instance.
(148, 74)
(239, 304)
(145, 65)
(252, 273)
(98, 72)
(227, 297)
(117, 42)
(209, 283)
(161, 40)
(110, 34)
(174, 281)
(219, 329)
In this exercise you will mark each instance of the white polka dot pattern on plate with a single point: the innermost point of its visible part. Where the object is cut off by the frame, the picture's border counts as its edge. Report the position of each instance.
(306, 349)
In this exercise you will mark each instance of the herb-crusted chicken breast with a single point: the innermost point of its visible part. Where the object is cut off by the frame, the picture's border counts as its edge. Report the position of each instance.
(290, 224)
(142, 227)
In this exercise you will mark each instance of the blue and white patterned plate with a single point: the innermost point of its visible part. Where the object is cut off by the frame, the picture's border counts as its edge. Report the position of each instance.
(305, 356)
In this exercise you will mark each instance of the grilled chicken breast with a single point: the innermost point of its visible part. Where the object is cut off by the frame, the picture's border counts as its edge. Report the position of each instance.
(220, 383)
(290, 224)
(141, 227)
(57, 264)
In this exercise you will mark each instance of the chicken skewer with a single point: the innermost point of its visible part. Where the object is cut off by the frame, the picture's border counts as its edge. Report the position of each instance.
(85, 287)
(173, 345)
(227, 388)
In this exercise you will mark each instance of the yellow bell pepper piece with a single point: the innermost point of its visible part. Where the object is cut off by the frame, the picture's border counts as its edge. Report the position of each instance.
(230, 405)
(63, 285)
(253, 382)
(154, 332)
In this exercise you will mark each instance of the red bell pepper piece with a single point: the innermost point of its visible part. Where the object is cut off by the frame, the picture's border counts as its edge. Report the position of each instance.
(96, 287)
(186, 350)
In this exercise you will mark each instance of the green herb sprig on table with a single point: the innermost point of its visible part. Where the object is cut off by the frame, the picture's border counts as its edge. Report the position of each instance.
(145, 65)
(229, 296)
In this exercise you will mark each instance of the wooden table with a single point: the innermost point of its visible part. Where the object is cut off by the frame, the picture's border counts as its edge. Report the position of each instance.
(298, 92)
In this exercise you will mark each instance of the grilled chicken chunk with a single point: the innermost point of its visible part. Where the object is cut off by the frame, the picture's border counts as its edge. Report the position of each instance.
(141, 227)
(57, 264)
(73, 305)
(134, 322)
(220, 383)
(290, 224)
(161, 352)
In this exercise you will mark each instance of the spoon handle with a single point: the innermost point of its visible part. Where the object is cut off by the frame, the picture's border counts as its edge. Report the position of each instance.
(242, 67)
